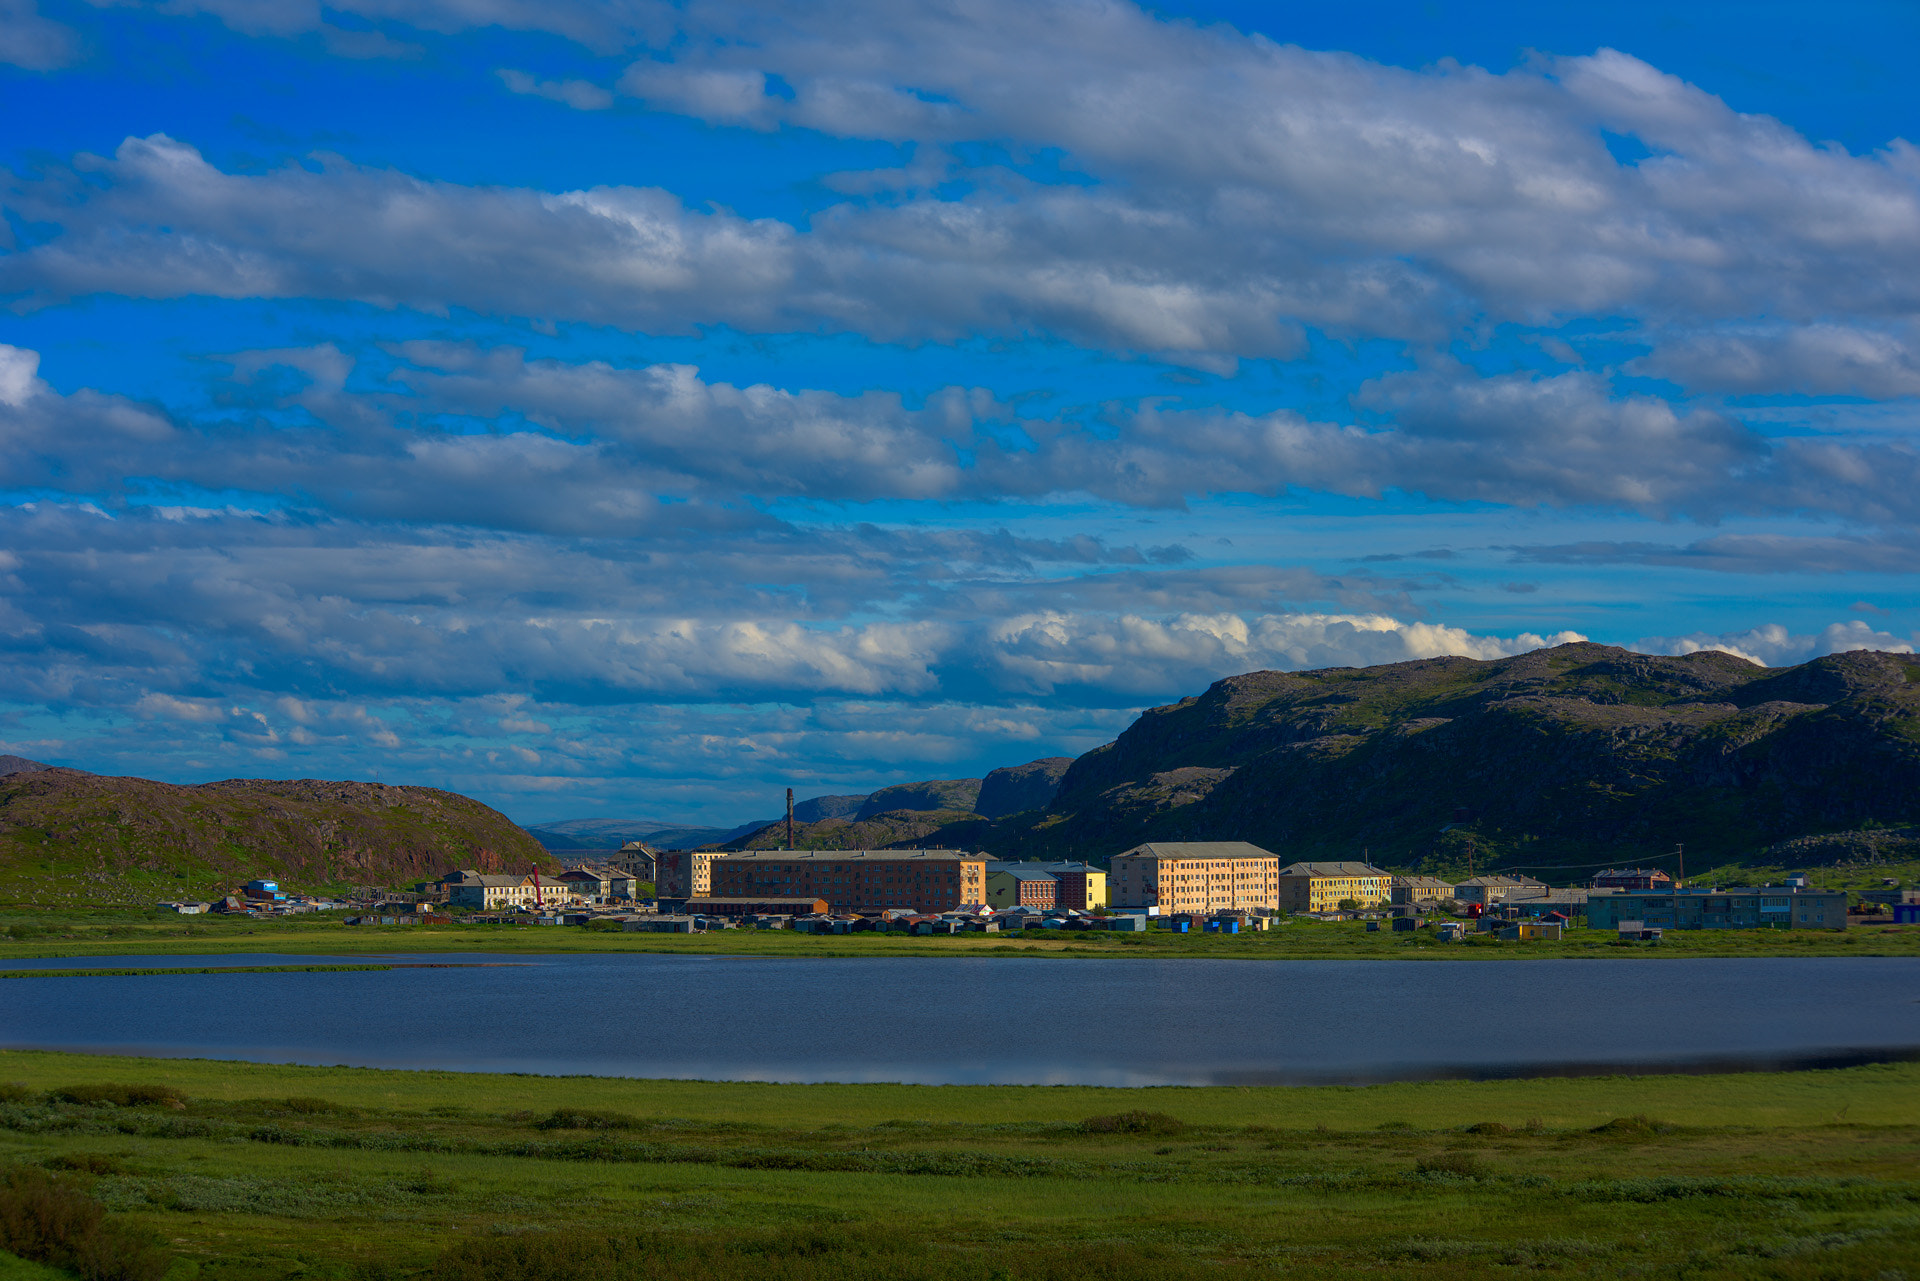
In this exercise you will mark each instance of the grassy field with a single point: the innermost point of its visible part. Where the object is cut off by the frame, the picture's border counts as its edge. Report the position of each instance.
(127, 934)
(282, 1172)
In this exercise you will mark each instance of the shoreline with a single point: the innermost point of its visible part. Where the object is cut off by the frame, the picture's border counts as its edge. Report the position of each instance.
(1294, 941)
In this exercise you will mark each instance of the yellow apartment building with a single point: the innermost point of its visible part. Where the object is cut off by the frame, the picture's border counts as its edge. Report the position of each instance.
(1322, 887)
(1194, 876)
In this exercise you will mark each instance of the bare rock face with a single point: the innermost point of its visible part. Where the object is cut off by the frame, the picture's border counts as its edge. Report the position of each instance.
(942, 794)
(166, 840)
(817, 808)
(19, 765)
(1014, 789)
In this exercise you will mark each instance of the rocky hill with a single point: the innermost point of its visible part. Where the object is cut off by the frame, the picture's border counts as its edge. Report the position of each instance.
(68, 837)
(907, 813)
(900, 829)
(1554, 761)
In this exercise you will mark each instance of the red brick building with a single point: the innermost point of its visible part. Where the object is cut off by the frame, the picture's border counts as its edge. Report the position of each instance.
(855, 880)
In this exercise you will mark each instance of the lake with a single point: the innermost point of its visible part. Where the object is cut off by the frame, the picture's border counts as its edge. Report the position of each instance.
(988, 1020)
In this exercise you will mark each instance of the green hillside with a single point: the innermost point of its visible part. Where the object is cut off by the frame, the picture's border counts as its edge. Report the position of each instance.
(68, 837)
(1556, 760)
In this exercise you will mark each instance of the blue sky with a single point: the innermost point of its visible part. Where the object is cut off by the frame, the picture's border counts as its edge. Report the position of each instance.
(633, 409)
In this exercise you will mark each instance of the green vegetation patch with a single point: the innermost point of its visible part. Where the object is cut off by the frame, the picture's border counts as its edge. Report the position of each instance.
(266, 1172)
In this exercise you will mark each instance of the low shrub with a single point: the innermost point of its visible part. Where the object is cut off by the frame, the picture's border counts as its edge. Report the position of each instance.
(1632, 1127)
(87, 1163)
(799, 1253)
(51, 1221)
(587, 1119)
(1135, 1122)
(1463, 1165)
(14, 1092)
(306, 1105)
(1489, 1127)
(126, 1096)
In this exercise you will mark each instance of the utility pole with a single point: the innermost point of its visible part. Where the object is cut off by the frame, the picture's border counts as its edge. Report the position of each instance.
(1681, 850)
(1469, 858)
(789, 818)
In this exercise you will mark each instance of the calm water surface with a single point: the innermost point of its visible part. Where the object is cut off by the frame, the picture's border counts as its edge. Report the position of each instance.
(1000, 1020)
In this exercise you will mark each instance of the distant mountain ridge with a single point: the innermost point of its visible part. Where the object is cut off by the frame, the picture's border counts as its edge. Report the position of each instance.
(20, 765)
(884, 817)
(612, 833)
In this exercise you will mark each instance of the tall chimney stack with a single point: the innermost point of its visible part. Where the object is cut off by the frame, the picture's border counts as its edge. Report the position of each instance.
(789, 818)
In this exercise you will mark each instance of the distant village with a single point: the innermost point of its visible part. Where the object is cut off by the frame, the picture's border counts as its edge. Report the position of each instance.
(1227, 887)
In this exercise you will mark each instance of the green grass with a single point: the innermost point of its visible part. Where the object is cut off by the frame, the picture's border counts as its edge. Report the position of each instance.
(15, 1268)
(280, 1172)
(107, 934)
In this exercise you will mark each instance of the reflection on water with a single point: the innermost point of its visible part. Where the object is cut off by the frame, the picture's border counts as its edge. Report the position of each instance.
(995, 1020)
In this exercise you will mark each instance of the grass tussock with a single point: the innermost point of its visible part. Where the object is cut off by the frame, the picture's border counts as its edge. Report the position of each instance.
(1134, 1122)
(49, 1220)
(120, 1095)
(94, 1163)
(795, 1254)
(1632, 1127)
(587, 1119)
(1463, 1165)
(306, 1105)
(14, 1092)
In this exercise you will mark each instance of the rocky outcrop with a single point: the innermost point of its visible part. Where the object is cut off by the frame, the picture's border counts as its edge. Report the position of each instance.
(942, 794)
(1014, 789)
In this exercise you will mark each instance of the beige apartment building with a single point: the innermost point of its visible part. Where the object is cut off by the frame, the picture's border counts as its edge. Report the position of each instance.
(855, 880)
(1420, 889)
(684, 873)
(1194, 876)
(493, 892)
(1322, 887)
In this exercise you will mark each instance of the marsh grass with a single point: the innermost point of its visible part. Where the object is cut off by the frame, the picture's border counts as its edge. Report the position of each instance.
(273, 1172)
(1134, 1122)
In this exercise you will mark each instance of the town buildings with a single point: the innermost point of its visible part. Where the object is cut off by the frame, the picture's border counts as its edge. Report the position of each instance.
(487, 893)
(587, 882)
(1323, 887)
(851, 880)
(1419, 889)
(1194, 876)
(1082, 886)
(1775, 906)
(1488, 890)
(636, 859)
(1632, 878)
(1021, 885)
(684, 873)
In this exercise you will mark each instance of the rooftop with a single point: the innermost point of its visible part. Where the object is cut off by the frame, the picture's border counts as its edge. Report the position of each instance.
(847, 856)
(1198, 849)
(1332, 869)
